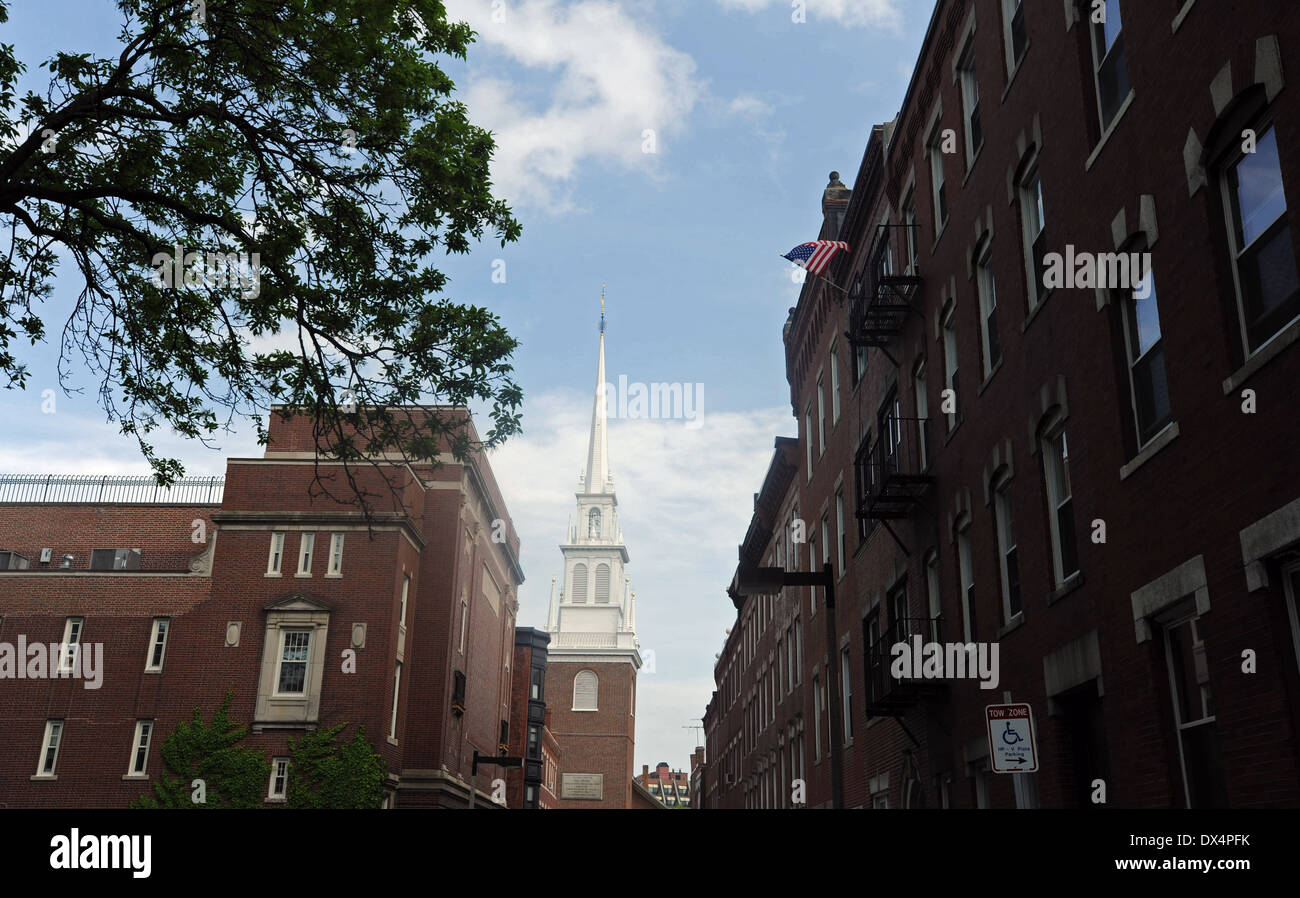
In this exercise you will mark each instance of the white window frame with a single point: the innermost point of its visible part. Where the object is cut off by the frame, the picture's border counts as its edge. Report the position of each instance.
(966, 574)
(51, 743)
(921, 401)
(817, 717)
(1099, 56)
(938, 198)
(275, 557)
(1291, 591)
(839, 527)
(157, 644)
(910, 231)
(306, 547)
(1193, 618)
(934, 601)
(280, 661)
(808, 437)
(1033, 215)
(141, 742)
(846, 695)
(950, 367)
(73, 629)
(1056, 498)
(1009, 10)
(1004, 517)
(835, 383)
(970, 101)
(595, 703)
(280, 770)
(988, 300)
(397, 689)
(821, 418)
(335, 568)
(464, 624)
(1129, 318)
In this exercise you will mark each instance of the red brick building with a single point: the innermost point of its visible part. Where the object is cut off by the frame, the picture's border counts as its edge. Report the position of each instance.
(531, 738)
(671, 788)
(1008, 438)
(310, 614)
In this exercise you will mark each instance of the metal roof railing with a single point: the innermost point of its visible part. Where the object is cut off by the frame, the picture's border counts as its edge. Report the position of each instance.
(95, 489)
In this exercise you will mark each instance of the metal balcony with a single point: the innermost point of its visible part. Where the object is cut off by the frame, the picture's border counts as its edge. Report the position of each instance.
(888, 696)
(884, 296)
(892, 473)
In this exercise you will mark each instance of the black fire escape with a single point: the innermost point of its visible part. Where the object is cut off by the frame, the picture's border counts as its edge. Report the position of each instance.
(890, 696)
(879, 314)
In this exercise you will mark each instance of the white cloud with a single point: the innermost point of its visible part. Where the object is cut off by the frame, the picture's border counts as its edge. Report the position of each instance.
(605, 79)
(866, 13)
(750, 106)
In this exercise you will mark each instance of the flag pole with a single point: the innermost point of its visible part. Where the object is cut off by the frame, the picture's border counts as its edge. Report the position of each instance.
(823, 279)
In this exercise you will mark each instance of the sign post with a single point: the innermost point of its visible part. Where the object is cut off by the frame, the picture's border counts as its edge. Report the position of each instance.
(1012, 746)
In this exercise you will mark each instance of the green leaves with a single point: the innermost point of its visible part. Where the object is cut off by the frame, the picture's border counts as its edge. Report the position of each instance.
(326, 774)
(317, 137)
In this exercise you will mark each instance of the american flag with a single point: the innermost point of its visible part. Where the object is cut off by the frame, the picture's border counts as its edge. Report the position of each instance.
(815, 256)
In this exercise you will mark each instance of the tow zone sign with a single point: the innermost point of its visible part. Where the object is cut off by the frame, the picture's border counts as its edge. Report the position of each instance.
(1011, 738)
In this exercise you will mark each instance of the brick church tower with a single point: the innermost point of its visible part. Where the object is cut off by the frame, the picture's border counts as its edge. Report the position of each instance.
(594, 657)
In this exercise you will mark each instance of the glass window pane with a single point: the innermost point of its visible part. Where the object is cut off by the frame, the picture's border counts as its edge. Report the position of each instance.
(1257, 185)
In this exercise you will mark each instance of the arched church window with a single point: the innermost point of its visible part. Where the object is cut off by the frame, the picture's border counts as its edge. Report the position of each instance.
(602, 584)
(593, 523)
(585, 687)
(580, 584)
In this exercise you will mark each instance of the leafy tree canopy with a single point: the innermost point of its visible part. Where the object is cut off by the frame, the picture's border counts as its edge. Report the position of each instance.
(320, 135)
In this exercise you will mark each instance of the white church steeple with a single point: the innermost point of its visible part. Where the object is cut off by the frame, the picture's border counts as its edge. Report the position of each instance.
(594, 614)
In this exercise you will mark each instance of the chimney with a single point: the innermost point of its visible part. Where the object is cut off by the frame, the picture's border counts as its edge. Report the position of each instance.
(835, 202)
(645, 771)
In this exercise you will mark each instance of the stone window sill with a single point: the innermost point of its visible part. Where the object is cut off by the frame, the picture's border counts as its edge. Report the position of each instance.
(1149, 451)
(1047, 294)
(1265, 354)
(1011, 79)
(1182, 15)
(1017, 621)
(1073, 582)
(1114, 124)
(989, 378)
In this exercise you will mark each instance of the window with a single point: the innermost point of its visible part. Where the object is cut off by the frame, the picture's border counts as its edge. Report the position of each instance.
(401, 608)
(532, 741)
(909, 231)
(821, 419)
(277, 552)
(537, 684)
(1194, 714)
(970, 102)
(846, 694)
(304, 554)
(835, 384)
(890, 420)
(397, 687)
(1013, 26)
(1004, 514)
(922, 402)
(1033, 222)
(157, 643)
(13, 561)
(839, 525)
(932, 594)
(1268, 293)
(593, 523)
(115, 559)
(880, 801)
(580, 584)
(992, 343)
(899, 616)
(278, 788)
(1110, 72)
(798, 651)
(980, 776)
(808, 437)
(967, 575)
(826, 539)
(291, 677)
(950, 365)
(1146, 360)
(585, 686)
(464, 624)
(817, 718)
(140, 748)
(935, 147)
(48, 761)
(336, 556)
(1056, 460)
(602, 584)
(72, 628)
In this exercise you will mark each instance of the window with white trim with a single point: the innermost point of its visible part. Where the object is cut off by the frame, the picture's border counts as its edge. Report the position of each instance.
(921, 401)
(839, 527)
(276, 555)
(966, 572)
(808, 439)
(1268, 291)
(950, 364)
(336, 556)
(464, 625)
(585, 691)
(970, 103)
(157, 643)
(817, 718)
(278, 788)
(401, 608)
(846, 694)
(1110, 71)
(991, 342)
(934, 147)
(292, 661)
(1033, 229)
(1008, 558)
(47, 763)
(835, 383)
(1014, 34)
(305, 547)
(1199, 755)
(1145, 354)
(821, 419)
(397, 688)
(140, 748)
(1060, 502)
(933, 600)
(71, 645)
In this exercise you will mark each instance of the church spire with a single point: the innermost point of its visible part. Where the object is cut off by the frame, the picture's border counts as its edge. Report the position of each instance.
(598, 448)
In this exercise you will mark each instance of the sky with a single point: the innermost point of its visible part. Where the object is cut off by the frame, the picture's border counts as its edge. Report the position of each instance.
(669, 150)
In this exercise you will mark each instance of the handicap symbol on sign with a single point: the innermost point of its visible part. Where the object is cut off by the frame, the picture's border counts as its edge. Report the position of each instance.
(1010, 736)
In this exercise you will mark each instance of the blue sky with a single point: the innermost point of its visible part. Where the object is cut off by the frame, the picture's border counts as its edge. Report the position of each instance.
(750, 111)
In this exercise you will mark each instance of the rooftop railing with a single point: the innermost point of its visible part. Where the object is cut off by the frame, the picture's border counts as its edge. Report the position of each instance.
(95, 489)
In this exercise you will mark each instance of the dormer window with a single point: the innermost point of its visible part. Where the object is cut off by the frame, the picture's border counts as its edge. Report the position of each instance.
(593, 523)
